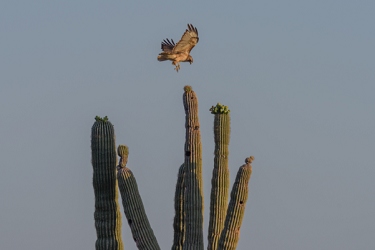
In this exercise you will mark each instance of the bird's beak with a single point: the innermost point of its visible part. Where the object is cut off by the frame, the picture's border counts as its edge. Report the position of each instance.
(191, 61)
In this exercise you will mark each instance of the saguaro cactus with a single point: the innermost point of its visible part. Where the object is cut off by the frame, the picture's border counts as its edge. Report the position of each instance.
(225, 220)
(220, 175)
(133, 206)
(193, 196)
(107, 214)
(236, 209)
(179, 218)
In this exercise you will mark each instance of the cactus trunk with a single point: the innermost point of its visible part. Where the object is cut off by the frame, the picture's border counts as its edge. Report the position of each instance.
(236, 209)
(143, 234)
(107, 213)
(220, 179)
(193, 201)
(179, 218)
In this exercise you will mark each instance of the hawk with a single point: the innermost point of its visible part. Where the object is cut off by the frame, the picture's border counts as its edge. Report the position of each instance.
(179, 52)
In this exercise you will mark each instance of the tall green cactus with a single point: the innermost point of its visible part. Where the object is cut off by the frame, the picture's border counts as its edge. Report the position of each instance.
(107, 214)
(193, 196)
(225, 220)
(179, 218)
(236, 209)
(220, 175)
(143, 234)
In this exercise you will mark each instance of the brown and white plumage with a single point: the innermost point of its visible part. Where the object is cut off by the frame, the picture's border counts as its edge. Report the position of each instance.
(179, 52)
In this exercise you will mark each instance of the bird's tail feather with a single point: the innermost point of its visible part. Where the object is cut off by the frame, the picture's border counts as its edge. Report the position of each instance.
(165, 56)
(161, 58)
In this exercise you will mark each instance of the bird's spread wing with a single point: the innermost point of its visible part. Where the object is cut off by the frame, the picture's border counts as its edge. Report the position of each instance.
(167, 45)
(188, 40)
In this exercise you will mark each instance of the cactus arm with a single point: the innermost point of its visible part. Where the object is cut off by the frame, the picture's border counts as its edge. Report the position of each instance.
(220, 179)
(143, 234)
(236, 209)
(193, 174)
(178, 222)
(107, 213)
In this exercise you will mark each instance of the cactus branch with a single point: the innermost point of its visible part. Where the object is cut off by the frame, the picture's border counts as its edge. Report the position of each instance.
(236, 209)
(179, 218)
(107, 213)
(133, 206)
(193, 174)
(220, 179)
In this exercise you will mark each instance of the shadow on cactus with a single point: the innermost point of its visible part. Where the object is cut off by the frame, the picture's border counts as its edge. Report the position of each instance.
(225, 218)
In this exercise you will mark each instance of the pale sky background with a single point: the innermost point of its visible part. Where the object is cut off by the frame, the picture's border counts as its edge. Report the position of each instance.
(298, 76)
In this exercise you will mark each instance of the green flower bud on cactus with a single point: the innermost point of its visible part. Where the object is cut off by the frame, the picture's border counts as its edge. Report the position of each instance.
(219, 109)
(107, 213)
(99, 119)
(236, 209)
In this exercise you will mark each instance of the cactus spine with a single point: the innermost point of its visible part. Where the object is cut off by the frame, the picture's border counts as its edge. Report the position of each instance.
(178, 222)
(220, 175)
(236, 209)
(143, 234)
(193, 197)
(107, 214)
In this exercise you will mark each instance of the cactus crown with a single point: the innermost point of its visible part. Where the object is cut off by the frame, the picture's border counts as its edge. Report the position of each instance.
(219, 109)
(188, 88)
(249, 159)
(99, 119)
(122, 150)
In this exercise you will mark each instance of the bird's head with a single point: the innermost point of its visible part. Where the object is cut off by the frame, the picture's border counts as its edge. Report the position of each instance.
(190, 59)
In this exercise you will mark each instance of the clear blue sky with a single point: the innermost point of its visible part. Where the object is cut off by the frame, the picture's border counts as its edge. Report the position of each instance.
(298, 76)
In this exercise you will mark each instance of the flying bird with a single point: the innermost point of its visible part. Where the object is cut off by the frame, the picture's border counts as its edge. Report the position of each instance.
(179, 52)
